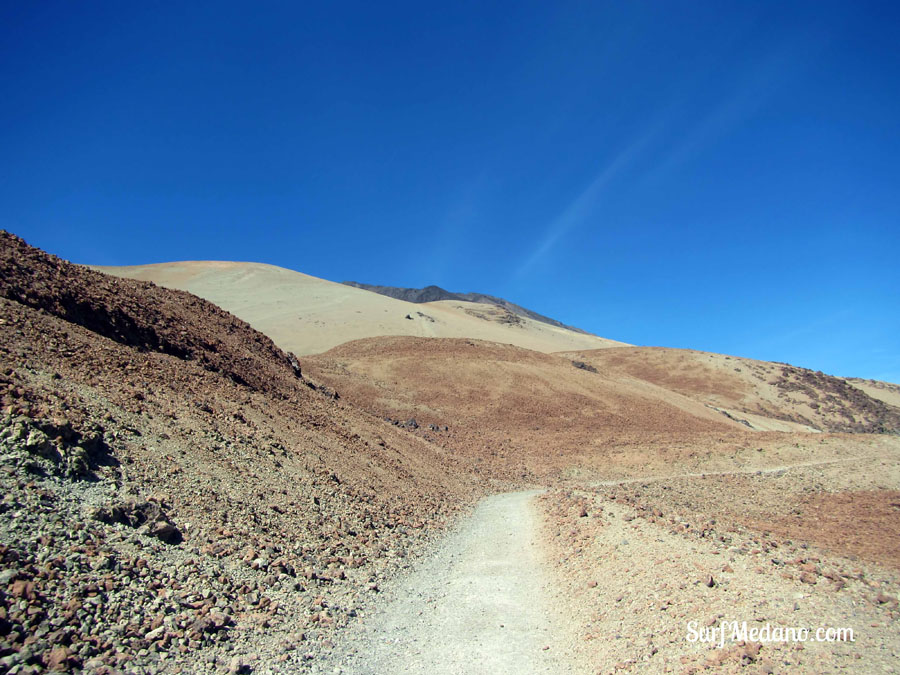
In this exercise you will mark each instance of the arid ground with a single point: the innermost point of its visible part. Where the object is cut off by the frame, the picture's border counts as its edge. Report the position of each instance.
(231, 467)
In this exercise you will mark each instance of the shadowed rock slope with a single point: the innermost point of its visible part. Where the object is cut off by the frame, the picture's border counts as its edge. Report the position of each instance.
(175, 494)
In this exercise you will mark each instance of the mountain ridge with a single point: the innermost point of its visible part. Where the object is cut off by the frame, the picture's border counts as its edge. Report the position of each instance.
(432, 293)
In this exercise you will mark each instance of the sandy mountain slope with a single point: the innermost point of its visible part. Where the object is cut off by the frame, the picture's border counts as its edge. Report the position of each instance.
(175, 494)
(307, 315)
(766, 396)
(514, 411)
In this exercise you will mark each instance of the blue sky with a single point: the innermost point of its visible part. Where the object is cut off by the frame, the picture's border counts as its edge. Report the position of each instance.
(713, 175)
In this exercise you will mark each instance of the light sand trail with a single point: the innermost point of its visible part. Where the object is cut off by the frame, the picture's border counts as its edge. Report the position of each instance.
(477, 605)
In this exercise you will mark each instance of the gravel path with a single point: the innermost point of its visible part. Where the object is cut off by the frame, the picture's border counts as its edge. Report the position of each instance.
(475, 606)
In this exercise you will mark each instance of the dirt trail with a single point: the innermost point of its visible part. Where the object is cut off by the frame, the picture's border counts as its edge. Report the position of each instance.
(638, 560)
(781, 468)
(477, 605)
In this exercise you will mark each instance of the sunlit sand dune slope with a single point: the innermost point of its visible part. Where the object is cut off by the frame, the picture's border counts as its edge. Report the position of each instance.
(307, 315)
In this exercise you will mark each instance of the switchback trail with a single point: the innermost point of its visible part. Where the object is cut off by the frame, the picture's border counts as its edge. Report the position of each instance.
(782, 468)
(475, 606)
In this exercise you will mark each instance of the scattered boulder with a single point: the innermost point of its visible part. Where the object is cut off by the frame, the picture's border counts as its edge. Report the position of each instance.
(237, 665)
(59, 659)
(147, 517)
(295, 365)
(581, 365)
(884, 599)
(56, 445)
(328, 392)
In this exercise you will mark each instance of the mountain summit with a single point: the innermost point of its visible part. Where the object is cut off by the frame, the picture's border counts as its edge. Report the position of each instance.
(435, 293)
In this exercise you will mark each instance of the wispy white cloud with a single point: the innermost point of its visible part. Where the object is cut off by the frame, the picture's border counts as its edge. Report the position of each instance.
(752, 92)
(581, 207)
(823, 325)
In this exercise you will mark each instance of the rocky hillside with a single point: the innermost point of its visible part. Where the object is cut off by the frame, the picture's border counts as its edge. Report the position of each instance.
(177, 495)
(515, 412)
(758, 393)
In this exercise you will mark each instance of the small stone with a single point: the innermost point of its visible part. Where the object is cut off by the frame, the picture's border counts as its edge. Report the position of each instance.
(166, 532)
(58, 659)
(751, 651)
(155, 634)
(22, 589)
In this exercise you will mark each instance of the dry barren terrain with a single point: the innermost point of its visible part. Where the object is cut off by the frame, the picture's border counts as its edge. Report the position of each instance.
(176, 496)
(519, 413)
(289, 480)
(810, 545)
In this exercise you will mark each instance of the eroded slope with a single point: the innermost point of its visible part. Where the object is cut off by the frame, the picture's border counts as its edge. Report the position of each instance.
(175, 492)
(514, 411)
(767, 396)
